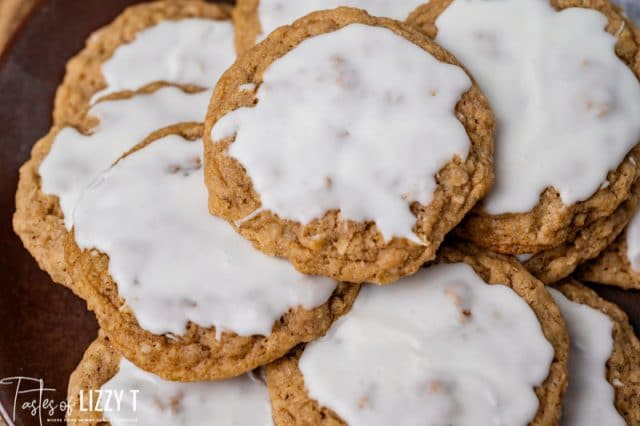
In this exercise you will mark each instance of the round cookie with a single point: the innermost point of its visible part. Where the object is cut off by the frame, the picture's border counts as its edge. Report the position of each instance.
(461, 300)
(68, 159)
(255, 19)
(148, 29)
(130, 54)
(592, 400)
(144, 228)
(518, 221)
(341, 197)
(557, 263)
(128, 394)
(615, 266)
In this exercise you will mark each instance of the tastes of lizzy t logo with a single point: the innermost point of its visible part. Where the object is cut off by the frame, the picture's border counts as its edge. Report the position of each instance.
(31, 396)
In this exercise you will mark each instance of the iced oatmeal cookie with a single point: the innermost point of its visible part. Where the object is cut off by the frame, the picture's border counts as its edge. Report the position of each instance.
(182, 42)
(116, 92)
(349, 144)
(129, 394)
(474, 339)
(142, 251)
(566, 96)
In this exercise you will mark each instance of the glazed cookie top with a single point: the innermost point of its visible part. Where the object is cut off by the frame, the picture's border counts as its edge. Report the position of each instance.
(590, 397)
(172, 261)
(365, 133)
(275, 13)
(566, 105)
(171, 51)
(343, 125)
(441, 346)
(242, 401)
(76, 158)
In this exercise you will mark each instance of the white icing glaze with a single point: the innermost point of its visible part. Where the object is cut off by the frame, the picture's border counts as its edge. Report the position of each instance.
(567, 107)
(241, 401)
(589, 400)
(173, 262)
(633, 241)
(276, 13)
(172, 51)
(440, 347)
(76, 159)
(524, 257)
(341, 126)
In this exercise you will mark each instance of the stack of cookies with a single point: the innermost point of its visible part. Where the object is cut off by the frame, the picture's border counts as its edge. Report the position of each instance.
(291, 212)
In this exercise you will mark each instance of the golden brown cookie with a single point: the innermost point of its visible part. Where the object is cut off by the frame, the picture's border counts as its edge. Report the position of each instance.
(623, 367)
(200, 353)
(84, 77)
(246, 23)
(107, 389)
(99, 363)
(551, 223)
(38, 219)
(554, 264)
(345, 250)
(292, 404)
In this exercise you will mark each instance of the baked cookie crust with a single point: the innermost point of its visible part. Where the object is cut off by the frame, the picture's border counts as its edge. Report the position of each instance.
(99, 364)
(38, 219)
(292, 404)
(200, 353)
(623, 367)
(247, 24)
(341, 249)
(84, 78)
(551, 223)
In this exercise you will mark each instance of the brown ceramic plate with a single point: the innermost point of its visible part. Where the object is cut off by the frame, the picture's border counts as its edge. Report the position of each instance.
(44, 328)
